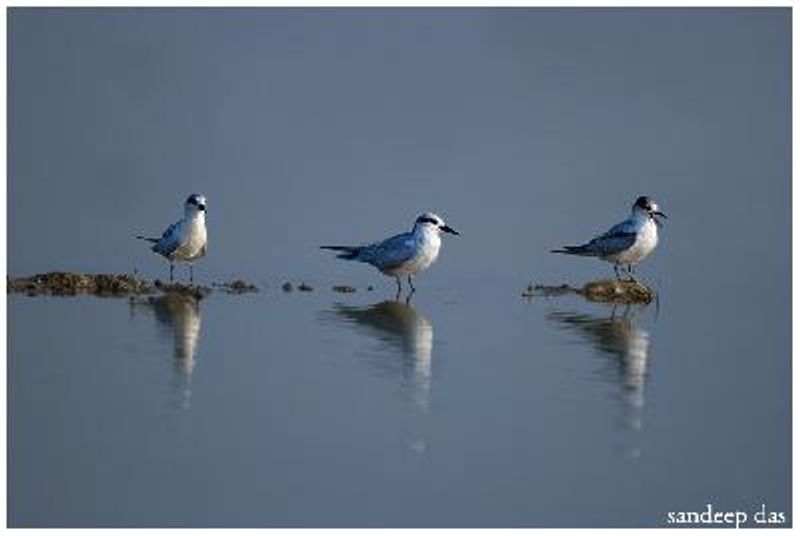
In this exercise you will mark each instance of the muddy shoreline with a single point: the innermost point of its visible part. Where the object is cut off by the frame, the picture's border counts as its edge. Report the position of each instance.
(119, 285)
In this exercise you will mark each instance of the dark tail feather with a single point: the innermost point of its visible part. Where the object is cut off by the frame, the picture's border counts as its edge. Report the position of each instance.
(347, 252)
(154, 240)
(571, 250)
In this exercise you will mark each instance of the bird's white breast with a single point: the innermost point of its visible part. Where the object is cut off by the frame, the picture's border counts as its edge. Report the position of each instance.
(427, 246)
(646, 242)
(193, 241)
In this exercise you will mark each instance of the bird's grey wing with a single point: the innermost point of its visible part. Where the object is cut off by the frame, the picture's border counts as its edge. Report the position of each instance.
(170, 240)
(390, 253)
(617, 239)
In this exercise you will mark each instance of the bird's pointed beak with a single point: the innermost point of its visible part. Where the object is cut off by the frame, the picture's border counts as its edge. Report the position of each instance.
(659, 213)
(448, 229)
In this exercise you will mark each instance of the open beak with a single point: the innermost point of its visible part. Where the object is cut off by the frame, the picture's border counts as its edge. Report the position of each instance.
(448, 229)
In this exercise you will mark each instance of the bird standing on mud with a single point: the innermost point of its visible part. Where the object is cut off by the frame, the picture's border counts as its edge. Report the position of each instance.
(403, 255)
(628, 243)
(185, 240)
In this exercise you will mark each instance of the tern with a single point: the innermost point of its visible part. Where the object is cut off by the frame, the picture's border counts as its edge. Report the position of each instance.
(185, 240)
(403, 255)
(628, 243)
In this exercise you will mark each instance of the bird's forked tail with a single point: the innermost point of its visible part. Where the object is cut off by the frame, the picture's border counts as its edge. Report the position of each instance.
(572, 250)
(154, 240)
(347, 252)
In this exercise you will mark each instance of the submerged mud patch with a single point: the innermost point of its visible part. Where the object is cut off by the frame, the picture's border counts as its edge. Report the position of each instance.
(238, 286)
(604, 291)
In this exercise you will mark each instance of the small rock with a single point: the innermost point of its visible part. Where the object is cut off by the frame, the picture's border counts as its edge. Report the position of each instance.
(287, 287)
(344, 289)
(237, 286)
(607, 291)
(617, 292)
(303, 287)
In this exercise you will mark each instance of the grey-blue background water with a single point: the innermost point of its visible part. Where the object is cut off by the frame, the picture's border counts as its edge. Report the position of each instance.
(527, 129)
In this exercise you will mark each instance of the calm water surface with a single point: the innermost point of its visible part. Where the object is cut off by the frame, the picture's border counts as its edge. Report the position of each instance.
(466, 406)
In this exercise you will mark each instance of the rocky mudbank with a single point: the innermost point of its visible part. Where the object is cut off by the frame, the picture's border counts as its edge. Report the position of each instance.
(71, 284)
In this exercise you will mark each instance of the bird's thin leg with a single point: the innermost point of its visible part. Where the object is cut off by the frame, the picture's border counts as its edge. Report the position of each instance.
(630, 274)
(399, 286)
(191, 273)
(410, 284)
(171, 269)
(616, 271)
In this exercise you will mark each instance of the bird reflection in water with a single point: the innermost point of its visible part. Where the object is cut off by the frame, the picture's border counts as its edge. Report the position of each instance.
(402, 332)
(628, 346)
(178, 317)
(405, 332)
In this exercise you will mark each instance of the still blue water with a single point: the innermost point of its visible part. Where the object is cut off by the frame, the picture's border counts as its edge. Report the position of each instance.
(468, 406)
